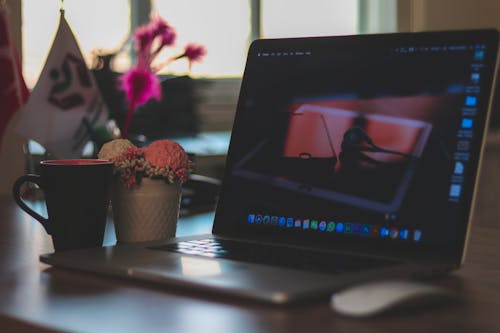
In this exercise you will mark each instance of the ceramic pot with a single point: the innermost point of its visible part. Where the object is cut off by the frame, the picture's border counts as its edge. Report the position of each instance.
(145, 212)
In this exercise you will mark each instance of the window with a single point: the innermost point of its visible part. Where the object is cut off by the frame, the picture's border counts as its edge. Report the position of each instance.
(223, 26)
(282, 18)
(91, 20)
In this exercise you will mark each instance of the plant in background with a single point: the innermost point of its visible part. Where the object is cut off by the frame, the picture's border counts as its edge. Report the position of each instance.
(162, 159)
(141, 82)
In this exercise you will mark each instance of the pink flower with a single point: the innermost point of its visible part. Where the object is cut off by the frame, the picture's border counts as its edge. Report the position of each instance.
(182, 174)
(168, 154)
(129, 178)
(158, 24)
(163, 30)
(194, 52)
(143, 37)
(163, 159)
(168, 37)
(129, 164)
(140, 85)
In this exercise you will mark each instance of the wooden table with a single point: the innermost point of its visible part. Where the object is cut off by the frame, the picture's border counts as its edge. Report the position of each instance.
(36, 297)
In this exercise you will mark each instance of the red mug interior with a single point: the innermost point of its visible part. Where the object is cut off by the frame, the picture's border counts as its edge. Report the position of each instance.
(76, 162)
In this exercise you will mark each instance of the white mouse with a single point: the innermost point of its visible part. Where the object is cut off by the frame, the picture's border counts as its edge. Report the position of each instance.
(376, 297)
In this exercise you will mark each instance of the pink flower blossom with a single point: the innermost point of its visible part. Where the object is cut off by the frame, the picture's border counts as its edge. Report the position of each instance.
(168, 154)
(129, 164)
(158, 24)
(182, 174)
(140, 85)
(168, 37)
(143, 37)
(194, 52)
(163, 159)
(129, 178)
(163, 30)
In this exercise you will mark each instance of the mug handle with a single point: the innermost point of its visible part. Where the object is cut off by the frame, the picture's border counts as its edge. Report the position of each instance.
(16, 189)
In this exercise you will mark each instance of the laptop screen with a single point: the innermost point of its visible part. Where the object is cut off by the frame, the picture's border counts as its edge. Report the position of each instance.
(359, 142)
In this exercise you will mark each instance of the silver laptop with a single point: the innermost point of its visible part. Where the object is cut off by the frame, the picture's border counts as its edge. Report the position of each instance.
(352, 158)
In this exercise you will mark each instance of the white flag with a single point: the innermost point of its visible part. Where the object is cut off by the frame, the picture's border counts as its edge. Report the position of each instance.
(65, 101)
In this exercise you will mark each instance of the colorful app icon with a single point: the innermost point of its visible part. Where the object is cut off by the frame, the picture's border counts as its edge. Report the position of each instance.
(470, 101)
(289, 222)
(375, 231)
(474, 77)
(267, 219)
(322, 226)
(366, 230)
(459, 168)
(251, 218)
(455, 190)
(479, 55)
(339, 227)
(404, 233)
(282, 221)
(331, 226)
(356, 228)
(258, 219)
(348, 228)
(467, 123)
(305, 224)
(298, 223)
(384, 232)
(314, 224)
(417, 235)
(393, 233)
(274, 220)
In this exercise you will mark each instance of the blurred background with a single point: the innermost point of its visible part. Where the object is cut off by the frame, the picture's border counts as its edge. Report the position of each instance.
(201, 102)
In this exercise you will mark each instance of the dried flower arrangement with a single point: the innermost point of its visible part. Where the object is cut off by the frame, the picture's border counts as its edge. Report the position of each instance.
(162, 159)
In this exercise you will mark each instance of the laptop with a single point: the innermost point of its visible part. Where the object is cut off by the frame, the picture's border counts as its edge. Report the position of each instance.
(352, 158)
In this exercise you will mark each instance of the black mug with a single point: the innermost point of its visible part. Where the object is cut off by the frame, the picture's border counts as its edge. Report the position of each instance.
(77, 194)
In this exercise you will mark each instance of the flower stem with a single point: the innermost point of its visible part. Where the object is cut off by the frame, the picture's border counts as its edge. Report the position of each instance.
(128, 119)
(164, 63)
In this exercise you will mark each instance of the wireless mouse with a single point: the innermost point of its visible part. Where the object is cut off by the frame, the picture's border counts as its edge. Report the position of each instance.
(383, 296)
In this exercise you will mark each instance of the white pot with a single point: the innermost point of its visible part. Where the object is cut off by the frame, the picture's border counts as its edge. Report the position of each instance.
(146, 212)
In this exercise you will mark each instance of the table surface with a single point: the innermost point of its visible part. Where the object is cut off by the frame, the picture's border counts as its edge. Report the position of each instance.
(38, 298)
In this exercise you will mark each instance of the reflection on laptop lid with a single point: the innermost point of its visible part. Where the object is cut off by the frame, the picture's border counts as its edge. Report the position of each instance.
(367, 143)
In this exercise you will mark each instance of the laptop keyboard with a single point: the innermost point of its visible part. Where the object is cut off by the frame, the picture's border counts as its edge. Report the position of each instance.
(282, 256)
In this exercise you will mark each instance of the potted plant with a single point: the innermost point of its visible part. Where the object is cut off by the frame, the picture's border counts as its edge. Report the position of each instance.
(147, 188)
